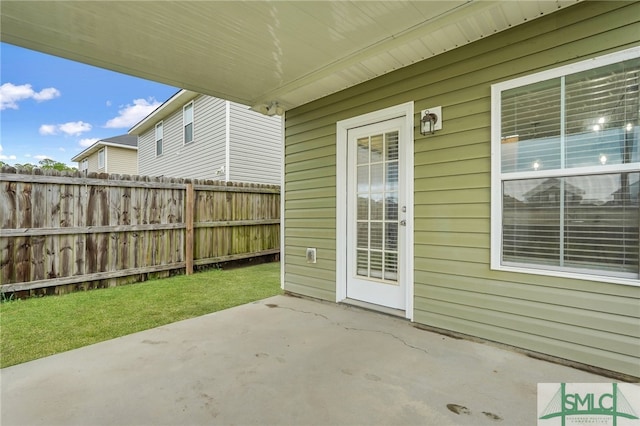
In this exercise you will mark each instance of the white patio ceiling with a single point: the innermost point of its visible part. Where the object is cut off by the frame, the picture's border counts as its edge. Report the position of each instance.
(257, 53)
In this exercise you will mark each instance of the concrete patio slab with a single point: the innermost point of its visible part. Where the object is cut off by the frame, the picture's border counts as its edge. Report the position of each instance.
(281, 361)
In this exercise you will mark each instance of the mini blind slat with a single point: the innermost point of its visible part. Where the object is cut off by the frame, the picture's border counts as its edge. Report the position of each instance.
(599, 230)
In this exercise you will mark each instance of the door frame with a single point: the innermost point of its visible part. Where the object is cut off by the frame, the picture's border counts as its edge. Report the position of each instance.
(405, 111)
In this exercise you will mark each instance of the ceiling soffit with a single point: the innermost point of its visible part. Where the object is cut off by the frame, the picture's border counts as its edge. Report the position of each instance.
(258, 53)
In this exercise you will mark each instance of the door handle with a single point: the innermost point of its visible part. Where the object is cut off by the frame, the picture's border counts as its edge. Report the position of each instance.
(403, 222)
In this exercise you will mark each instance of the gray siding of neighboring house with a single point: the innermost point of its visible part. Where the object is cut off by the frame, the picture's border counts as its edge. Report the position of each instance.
(197, 160)
(590, 322)
(255, 151)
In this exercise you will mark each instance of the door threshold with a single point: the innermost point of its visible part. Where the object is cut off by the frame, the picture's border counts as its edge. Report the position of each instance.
(377, 308)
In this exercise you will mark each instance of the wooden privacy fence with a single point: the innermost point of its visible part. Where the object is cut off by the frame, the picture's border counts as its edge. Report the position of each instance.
(61, 232)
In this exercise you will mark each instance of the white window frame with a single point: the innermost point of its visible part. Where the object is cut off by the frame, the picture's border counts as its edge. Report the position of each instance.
(102, 159)
(496, 164)
(84, 165)
(185, 123)
(159, 126)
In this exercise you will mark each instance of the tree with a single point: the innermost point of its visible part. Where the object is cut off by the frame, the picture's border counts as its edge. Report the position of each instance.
(49, 164)
(46, 164)
(25, 166)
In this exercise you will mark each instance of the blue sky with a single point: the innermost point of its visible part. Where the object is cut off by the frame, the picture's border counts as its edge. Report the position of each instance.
(54, 108)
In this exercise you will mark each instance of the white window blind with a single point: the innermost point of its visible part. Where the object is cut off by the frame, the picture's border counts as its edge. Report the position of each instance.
(377, 208)
(570, 170)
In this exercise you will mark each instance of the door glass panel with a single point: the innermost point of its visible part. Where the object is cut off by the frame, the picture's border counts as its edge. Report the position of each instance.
(363, 208)
(377, 211)
(391, 266)
(391, 206)
(377, 177)
(392, 176)
(363, 151)
(391, 236)
(363, 178)
(375, 266)
(376, 236)
(377, 207)
(363, 263)
(363, 235)
(377, 149)
(392, 146)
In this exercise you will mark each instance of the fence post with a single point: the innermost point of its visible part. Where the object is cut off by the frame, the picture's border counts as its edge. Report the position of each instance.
(188, 218)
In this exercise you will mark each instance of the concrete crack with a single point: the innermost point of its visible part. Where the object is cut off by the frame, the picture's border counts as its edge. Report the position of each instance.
(392, 335)
(273, 305)
(270, 305)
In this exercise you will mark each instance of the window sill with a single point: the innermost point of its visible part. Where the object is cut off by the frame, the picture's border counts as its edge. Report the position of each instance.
(635, 282)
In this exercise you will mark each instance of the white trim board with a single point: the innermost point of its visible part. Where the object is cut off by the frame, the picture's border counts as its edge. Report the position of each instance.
(403, 110)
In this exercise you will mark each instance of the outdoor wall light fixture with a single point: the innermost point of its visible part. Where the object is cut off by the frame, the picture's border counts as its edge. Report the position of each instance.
(430, 120)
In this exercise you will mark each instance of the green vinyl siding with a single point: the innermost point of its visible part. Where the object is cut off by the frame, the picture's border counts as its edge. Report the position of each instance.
(590, 322)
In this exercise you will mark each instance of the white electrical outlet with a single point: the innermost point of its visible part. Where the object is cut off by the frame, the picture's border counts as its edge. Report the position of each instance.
(311, 255)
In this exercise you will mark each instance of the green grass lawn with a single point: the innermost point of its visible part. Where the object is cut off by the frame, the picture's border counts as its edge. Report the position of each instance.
(38, 327)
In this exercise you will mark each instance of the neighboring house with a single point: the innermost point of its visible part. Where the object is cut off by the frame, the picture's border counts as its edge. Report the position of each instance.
(118, 155)
(427, 226)
(202, 137)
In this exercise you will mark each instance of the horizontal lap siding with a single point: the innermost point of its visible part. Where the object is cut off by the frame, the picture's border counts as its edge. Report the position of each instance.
(590, 322)
(586, 321)
(310, 210)
(199, 159)
(92, 162)
(255, 151)
(122, 161)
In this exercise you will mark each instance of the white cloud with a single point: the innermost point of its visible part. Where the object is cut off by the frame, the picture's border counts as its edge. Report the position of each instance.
(48, 129)
(61, 149)
(11, 94)
(108, 103)
(41, 157)
(130, 115)
(85, 143)
(46, 94)
(6, 157)
(72, 128)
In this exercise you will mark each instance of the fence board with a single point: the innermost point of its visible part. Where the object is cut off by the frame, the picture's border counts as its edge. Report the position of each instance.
(62, 233)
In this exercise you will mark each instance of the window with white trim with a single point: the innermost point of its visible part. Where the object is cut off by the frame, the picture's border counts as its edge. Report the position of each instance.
(159, 135)
(566, 170)
(187, 120)
(101, 159)
(84, 165)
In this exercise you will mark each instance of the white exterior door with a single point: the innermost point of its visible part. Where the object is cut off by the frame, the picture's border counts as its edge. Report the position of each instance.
(376, 214)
